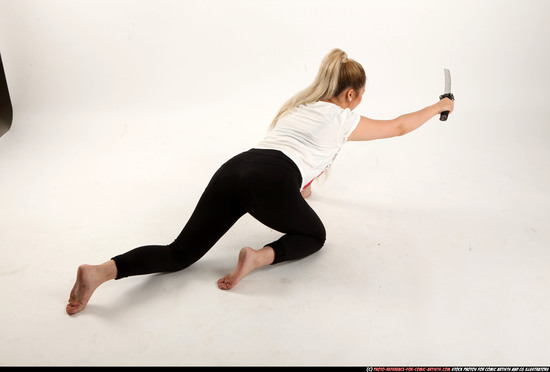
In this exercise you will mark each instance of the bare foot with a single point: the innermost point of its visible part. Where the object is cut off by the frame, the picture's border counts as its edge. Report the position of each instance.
(88, 278)
(249, 260)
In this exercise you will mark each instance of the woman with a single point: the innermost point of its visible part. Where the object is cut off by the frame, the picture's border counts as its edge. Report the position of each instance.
(269, 181)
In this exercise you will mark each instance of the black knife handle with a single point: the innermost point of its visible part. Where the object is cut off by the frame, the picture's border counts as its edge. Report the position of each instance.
(443, 116)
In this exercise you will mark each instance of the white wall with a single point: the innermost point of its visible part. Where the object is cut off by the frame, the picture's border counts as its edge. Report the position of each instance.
(123, 109)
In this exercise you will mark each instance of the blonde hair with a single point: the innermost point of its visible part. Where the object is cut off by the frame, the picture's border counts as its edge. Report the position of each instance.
(336, 74)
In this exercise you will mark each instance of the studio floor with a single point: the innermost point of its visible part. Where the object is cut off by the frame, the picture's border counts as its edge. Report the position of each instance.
(433, 257)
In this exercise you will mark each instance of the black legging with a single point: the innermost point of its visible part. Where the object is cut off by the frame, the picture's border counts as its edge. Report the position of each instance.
(264, 183)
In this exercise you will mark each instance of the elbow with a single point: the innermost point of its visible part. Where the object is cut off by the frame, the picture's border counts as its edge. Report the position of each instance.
(400, 128)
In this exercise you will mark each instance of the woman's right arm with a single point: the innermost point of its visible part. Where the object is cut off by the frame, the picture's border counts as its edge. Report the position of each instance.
(369, 129)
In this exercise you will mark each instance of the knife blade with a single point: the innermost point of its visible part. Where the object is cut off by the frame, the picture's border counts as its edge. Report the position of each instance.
(446, 93)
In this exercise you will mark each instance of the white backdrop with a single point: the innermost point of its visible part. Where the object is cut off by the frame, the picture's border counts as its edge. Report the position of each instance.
(438, 241)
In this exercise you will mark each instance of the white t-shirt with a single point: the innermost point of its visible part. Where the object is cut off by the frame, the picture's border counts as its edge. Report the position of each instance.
(312, 135)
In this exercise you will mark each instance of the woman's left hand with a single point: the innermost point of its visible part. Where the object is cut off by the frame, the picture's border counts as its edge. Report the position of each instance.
(306, 192)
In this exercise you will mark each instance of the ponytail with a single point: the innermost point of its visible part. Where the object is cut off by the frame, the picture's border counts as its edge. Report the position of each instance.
(336, 74)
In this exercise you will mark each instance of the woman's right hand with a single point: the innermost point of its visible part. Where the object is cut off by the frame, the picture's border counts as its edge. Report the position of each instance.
(446, 104)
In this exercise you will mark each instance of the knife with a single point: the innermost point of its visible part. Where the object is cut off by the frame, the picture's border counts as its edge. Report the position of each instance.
(447, 93)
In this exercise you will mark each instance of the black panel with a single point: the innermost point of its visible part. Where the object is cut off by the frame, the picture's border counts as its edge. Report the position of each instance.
(6, 110)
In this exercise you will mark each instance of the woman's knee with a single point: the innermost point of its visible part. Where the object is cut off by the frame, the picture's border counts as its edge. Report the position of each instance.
(320, 242)
(321, 235)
